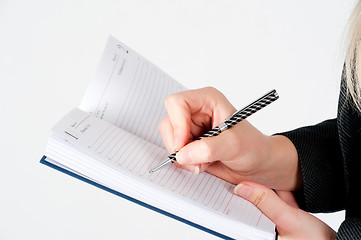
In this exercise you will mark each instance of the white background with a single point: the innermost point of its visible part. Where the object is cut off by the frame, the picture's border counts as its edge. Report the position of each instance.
(49, 51)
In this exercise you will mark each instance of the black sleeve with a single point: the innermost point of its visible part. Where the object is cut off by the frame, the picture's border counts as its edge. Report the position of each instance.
(321, 165)
(350, 229)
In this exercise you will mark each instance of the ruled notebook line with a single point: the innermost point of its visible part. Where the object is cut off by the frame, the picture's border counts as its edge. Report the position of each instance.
(127, 152)
(129, 92)
(113, 139)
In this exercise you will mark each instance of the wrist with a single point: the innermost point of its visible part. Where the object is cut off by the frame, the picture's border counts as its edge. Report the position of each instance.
(284, 159)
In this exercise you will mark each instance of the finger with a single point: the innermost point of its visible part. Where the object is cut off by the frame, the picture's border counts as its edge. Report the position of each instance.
(292, 223)
(180, 118)
(208, 101)
(191, 168)
(266, 200)
(288, 197)
(224, 147)
(220, 170)
(166, 131)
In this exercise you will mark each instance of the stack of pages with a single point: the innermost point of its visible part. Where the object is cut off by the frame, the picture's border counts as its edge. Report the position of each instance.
(112, 141)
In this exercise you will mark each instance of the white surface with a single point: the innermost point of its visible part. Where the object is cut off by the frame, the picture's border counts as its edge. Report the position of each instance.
(49, 51)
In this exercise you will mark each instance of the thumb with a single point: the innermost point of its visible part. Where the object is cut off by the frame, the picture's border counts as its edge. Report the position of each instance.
(200, 151)
(291, 222)
(206, 150)
(266, 200)
(288, 197)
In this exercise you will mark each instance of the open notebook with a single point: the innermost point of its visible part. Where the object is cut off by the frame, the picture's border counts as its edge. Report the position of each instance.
(112, 141)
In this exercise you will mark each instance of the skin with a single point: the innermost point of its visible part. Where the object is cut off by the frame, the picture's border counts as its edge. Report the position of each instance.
(241, 155)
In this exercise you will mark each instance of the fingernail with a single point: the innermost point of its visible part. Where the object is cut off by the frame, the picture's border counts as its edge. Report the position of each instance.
(175, 144)
(183, 156)
(243, 190)
(179, 158)
(196, 170)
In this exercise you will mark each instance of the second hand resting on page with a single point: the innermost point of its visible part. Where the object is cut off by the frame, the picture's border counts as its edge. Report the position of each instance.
(241, 155)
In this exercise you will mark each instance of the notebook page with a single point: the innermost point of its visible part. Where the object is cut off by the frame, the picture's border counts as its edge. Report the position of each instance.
(83, 164)
(128, 91)
(79, 162)
(134, 156)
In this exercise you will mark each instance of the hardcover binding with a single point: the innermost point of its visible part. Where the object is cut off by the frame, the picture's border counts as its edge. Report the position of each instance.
(45, 162)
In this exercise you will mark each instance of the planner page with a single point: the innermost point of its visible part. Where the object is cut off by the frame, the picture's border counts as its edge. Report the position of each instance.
(133, 157)
(128, 91)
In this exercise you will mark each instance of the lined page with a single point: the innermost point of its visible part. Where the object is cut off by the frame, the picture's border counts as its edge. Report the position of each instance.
(128, 91)
(132, 155)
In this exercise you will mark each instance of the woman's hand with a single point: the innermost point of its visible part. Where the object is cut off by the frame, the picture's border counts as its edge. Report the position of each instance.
(282, 209)
(238, 154)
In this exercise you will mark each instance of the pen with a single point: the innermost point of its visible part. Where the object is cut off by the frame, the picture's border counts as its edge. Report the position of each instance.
(228, 123)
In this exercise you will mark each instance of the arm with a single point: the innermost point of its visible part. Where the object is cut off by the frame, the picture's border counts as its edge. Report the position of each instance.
(349, 229)
(249, 155)
(321, 167)
(292, 222)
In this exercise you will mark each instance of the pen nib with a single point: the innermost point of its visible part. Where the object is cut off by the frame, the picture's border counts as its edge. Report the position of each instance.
(161, 164)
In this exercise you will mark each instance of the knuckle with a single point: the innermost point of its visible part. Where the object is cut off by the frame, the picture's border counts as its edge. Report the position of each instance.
(215, 93)
(282, 216)
(211, 90)
(170, 100)
(259, 199)
(207, 150)
(162, 124)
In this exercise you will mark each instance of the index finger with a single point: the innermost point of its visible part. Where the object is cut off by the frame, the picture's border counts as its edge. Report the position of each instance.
(179, 115)
(184, 106)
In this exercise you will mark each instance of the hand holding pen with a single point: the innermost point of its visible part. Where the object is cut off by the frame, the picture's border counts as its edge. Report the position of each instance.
(232, 155)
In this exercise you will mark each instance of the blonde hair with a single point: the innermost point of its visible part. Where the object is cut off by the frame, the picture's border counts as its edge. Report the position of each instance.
(353, 57)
